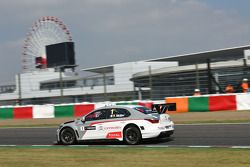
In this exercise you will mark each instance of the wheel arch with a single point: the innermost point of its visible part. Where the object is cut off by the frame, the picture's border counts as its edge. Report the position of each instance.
(124, 133)
(131, 124)
(65, 127)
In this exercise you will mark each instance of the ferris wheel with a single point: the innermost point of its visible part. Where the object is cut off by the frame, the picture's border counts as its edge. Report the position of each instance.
(45, 31)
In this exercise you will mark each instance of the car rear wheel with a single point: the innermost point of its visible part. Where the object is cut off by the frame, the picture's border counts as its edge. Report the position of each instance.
(67, 136)
(132, 135)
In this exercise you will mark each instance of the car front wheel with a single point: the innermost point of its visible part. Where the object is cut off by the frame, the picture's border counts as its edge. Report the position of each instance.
(67, 136)
(132, 135)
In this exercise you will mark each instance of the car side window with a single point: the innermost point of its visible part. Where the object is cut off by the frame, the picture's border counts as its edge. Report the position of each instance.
(97, 115)
(118, 113)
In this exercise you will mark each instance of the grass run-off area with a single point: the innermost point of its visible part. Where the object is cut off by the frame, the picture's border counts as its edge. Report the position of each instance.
(178, 118)
(132, 156)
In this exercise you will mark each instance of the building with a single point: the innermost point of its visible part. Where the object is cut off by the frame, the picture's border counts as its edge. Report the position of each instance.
(149, 79)
(208, 71)
(107, 83)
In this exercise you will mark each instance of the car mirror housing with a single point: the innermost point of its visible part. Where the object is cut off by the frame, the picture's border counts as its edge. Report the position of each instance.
(83, 119)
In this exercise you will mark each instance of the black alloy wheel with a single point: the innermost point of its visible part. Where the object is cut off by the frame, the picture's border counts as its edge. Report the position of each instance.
(68, 136)
(132, 135)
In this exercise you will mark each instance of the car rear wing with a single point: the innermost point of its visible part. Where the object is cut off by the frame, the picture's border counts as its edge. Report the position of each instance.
(163, 108)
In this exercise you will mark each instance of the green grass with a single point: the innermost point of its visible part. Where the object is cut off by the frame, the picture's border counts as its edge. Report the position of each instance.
(123, 157)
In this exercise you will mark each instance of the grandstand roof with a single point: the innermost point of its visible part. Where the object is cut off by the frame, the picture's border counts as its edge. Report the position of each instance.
(101, 69)
(225, 54)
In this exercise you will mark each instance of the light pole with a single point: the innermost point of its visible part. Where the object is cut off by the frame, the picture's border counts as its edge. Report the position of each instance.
(104, 86)
(19, 89)
(61, 83)
(150, 82)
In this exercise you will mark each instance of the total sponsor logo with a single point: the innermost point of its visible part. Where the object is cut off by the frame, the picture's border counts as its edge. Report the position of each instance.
(112, 128)
(114, 135)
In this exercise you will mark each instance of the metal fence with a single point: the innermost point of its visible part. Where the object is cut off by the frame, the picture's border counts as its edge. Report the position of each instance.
(210, 78)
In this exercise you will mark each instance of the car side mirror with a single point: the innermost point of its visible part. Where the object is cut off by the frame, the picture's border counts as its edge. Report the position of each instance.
(83, 119)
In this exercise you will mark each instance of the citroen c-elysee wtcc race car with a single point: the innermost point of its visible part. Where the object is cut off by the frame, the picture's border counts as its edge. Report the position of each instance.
(130, 124)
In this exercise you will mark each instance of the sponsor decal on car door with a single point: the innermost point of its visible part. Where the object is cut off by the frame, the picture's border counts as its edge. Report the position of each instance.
(91, 128)
(114, 135)
(113, 130)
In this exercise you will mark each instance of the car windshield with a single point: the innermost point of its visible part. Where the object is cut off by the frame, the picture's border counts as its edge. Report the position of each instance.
(144, 110)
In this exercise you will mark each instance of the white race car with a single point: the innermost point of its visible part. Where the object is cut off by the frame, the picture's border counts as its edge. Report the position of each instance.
(130, 123)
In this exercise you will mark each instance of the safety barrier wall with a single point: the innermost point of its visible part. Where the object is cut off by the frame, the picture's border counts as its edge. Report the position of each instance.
(6, 113)
(204, 103)
(58, 111)
(212, 103)
(45, 111)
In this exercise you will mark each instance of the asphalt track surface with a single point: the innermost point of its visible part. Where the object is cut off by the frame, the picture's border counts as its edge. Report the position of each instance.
(191, 135)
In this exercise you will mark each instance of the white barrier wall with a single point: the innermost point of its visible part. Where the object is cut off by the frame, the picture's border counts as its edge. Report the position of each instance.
(43, 111)
(243, 101)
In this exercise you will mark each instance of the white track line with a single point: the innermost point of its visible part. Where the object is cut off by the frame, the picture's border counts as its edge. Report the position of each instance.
(129, 146)
(199, 146)
(240, 147)
(42, 145)
(8, 145)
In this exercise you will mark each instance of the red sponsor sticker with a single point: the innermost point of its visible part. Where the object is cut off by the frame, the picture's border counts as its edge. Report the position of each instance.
(114, 135)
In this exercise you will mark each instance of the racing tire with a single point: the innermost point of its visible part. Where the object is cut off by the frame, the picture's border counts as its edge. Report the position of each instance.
(67, 136)
(132, 135)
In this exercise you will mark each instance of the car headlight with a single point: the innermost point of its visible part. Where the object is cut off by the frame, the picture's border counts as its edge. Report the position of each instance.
(169, 119)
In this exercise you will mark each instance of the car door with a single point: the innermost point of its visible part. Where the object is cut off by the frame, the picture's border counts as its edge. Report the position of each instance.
(116, 120)
(93, 126)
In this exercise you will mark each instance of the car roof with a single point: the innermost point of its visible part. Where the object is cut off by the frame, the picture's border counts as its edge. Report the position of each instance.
(134, 112)
(129, 106)
(119, 106)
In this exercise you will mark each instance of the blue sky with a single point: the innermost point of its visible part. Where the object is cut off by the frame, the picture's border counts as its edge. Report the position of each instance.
(115, 31)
